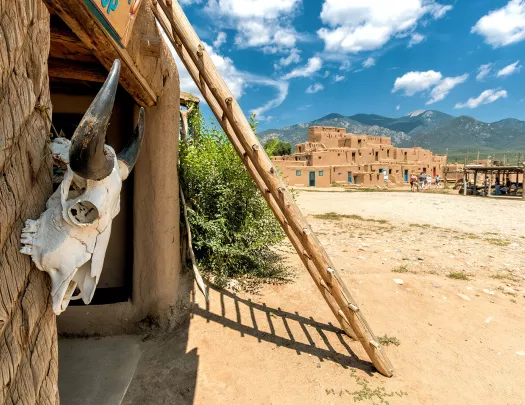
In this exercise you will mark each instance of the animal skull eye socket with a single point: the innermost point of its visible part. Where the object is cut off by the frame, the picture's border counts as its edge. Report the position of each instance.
(83, 212)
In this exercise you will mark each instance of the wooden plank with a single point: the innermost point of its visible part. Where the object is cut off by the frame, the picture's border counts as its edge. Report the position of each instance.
(89, 30)
(70, 69)
(309, 245)
(323, 288)
(184, 96)
(117, 17)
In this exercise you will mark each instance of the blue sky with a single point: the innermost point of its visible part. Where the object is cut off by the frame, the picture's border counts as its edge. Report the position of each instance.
(293, 61)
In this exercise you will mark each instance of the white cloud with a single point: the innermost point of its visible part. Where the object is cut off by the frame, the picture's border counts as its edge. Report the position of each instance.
(415, 82)
(439, 92)
(487, 97)
(398, 107)
(415, 39)
(363, 25)
(221, 40)
(346, 66)
(282, 93)
(503, 26)
(432, 81)
(510, 69)
(236, 80)
(314, 88)
(483, 71)
(338, 78)
(369, 62)
(259, 23)
(293, 57)
(312, 66)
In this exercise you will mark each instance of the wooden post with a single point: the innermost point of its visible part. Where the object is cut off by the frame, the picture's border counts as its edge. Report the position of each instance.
(475, 189)
(465, 182)
(193, 55)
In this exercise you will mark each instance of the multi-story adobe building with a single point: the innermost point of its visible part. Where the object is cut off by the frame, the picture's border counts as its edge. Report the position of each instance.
(333, 156)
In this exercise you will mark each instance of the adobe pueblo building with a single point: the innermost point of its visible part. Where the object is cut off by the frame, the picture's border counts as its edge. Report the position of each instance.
(332, 156)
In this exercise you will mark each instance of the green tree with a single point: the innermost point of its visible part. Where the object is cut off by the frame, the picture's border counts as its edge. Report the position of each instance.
(233, 228)
(276, 147)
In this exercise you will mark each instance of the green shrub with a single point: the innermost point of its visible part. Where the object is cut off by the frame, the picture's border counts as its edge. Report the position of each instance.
(276, 147)
(232, 226)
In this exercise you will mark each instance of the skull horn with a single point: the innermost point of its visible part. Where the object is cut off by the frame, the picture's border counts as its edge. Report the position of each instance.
(88, 157)
(131, 151)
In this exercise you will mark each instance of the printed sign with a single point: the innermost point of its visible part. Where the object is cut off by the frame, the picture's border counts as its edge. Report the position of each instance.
(116, 16)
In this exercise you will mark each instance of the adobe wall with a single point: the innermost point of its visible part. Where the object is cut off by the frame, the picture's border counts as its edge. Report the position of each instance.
(328, 136)
(360, 157)
(28, 340)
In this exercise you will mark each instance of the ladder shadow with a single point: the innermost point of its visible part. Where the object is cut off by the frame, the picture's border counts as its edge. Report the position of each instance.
(291, 330)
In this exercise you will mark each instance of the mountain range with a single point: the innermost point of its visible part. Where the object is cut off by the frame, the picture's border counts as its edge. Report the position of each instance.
(429, 129)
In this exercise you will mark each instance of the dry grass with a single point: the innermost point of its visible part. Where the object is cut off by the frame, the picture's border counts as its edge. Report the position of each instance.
(333, 216)
(458, 276)
(497, 242)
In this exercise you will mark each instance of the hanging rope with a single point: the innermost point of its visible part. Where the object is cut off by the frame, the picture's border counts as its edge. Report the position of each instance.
(43, 110)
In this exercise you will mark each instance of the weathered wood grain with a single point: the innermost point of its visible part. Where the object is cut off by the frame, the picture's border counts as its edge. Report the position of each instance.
(28, 343)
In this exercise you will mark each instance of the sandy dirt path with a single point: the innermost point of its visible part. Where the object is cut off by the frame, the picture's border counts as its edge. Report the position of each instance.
(462, 341)
(445, 211)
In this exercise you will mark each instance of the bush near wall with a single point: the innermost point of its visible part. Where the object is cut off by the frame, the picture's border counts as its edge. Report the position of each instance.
(233, 228)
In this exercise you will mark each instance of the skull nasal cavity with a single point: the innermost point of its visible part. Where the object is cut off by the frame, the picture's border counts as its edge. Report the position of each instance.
(83, 212)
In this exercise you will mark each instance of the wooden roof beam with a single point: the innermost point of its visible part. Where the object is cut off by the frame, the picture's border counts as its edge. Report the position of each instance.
(78, 18)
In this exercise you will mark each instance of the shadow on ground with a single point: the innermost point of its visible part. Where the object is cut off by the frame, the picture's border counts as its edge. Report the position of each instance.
(167, 372)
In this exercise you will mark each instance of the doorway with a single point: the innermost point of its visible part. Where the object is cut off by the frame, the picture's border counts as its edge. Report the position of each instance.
(406, 176)
(311, 179)
(350, 177)
(71, 95)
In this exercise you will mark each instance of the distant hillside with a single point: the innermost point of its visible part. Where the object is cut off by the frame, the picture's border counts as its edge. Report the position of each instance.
(299, 133)
(425, 128)
(468, 133)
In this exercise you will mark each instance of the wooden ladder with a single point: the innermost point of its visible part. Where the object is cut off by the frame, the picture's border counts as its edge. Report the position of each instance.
(193, 55)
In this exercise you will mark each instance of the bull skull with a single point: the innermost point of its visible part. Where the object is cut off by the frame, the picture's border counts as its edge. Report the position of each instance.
(70, 238)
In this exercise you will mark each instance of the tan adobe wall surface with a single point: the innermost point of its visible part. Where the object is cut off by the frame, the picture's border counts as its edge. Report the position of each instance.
(28, 340)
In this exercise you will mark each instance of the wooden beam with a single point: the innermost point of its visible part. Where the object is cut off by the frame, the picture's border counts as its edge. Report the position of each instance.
(70, 69)
(89, 30)
(185, 97)
(193, 55)
(61, 33)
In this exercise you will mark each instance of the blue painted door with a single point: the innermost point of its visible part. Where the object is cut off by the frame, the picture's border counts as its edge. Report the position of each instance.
(350, 177)
(312, 179)
(406, 176)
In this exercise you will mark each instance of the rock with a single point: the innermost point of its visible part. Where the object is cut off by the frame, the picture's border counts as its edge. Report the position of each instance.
(487, 291)
(398, 281)
(361, 257)
(488, 320)
(463, 296)
(520, 353)
(509, 290)
(421, 258)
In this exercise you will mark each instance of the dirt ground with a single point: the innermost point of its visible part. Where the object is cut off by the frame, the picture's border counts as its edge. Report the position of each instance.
(461, 340)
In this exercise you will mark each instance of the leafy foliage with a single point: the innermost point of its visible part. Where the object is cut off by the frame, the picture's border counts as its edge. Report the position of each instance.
(232, 226)
(276, 147)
